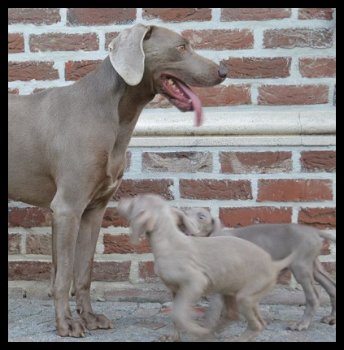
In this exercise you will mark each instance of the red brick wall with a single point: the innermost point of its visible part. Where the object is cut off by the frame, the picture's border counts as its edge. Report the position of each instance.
(241, 187)
(283, 45)
(276, 57)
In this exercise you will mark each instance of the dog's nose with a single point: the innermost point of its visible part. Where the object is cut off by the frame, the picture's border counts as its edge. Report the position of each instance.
(223, 71)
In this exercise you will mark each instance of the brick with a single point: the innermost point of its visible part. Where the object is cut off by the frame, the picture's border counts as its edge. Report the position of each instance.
(293, 94)
(33, 15)
(146, 271)
(322, 218)
(111, 271)
(74, 70)
(330, 267)
(215, 189)
(29, 270)
(177, 14)
(238, 217)
(63, 42)
(220, 39)
(189, 162)
(284, 277)
(315, 13)
(14, 243)
(159, 101)
(120, 244)
(213, 96)
(109, 37)
(135, 292)
(38, 244)
(100, 16)
(298, 37)
(326, 247)
(29, 217)
(112, 218)
(254, 14)
(29, 70)
(130, 188)
(254, 67)
(15, 43)
(317, 67)
(318, 161)
(299, 190)
(13, 91)
(224, 95)
(255, 162)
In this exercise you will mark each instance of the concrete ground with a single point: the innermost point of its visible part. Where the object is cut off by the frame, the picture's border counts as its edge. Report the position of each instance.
(32, 320)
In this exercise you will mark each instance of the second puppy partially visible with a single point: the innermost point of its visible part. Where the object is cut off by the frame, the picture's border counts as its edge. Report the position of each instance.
(280, 240)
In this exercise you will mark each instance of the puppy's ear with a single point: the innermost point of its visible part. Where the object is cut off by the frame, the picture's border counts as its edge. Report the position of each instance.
(142, 223)
(217, 227)
(124, 206)
(184, 223)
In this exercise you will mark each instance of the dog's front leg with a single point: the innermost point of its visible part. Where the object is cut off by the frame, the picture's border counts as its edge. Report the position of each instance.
(85, 248)
(66, 221)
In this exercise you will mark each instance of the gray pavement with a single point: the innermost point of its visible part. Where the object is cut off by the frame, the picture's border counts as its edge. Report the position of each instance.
(32, 320)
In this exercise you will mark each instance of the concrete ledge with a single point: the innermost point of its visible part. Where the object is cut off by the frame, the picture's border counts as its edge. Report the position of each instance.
(221, 127)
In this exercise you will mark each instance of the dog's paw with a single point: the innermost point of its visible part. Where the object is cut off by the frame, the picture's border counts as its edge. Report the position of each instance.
(331, 320)
(71, 328)
(96, 321)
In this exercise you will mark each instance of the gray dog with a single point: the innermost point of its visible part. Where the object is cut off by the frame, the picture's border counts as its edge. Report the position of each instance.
(67, 148)
(280, 240)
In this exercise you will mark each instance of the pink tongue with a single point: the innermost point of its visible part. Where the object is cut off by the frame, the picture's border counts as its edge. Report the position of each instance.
(196, 103)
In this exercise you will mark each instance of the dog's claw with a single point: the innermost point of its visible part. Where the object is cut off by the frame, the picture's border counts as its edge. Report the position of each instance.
(71, 328)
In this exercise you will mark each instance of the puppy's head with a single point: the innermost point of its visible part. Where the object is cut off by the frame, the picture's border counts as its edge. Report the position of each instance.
(203, 220)
(141, 214)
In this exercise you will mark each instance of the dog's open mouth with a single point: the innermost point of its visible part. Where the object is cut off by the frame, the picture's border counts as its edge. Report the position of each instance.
(181, 95)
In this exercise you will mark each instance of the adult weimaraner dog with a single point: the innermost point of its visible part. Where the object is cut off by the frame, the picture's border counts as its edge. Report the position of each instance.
(67, 148)
(192, 267)
(280, 240)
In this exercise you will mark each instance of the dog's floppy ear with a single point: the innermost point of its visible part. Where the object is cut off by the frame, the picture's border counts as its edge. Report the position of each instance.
(127, 55)
(144, 222)
(184, 223)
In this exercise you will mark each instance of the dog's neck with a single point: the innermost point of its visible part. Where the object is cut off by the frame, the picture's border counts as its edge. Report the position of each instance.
(165, 235)
(105, 81)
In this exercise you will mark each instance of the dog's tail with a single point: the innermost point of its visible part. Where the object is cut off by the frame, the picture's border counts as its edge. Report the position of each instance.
(327, 235)
(283, 263)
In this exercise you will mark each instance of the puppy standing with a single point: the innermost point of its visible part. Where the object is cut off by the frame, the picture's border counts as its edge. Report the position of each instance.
(192, 267)
(280, 240)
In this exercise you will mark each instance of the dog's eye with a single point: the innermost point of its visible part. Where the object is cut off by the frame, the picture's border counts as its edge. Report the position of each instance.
(201, 216)
(181, 48)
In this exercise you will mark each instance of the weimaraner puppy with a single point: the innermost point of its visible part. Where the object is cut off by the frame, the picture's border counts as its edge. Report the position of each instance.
(192, 267)
(280, 240)
(67, 148)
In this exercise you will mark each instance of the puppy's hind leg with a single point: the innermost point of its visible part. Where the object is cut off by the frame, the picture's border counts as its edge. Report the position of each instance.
(248, 308)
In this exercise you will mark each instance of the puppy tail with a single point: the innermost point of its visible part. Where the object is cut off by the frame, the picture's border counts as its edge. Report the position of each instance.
(326, 235)
(283, 263)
